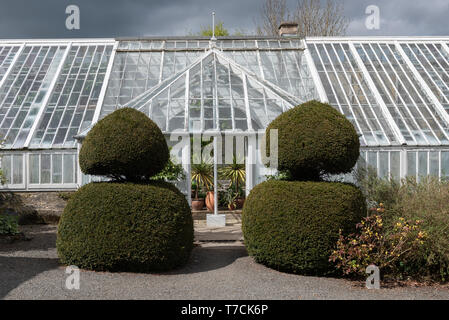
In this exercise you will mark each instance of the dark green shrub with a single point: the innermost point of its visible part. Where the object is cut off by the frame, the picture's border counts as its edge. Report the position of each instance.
(293, 226)
(9, 224)
(314, 139)
(124, 145)
(126, 227)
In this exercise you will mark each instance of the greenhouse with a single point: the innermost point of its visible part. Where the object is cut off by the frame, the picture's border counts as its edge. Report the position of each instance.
(395, 91)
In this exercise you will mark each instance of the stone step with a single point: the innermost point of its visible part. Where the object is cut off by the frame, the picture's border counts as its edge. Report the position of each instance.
(234, 216)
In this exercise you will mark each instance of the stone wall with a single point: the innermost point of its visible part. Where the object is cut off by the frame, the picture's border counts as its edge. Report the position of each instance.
(35, 207)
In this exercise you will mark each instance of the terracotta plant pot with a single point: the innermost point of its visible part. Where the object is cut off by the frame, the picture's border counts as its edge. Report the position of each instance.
(239, 203)
(197, 204)
(210, 201)
(231, 206)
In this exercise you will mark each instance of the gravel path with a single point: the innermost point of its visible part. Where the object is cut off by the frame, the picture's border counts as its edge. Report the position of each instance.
(30, 270)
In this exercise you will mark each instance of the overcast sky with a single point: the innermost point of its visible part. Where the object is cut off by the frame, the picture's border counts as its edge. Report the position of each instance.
(113, 18)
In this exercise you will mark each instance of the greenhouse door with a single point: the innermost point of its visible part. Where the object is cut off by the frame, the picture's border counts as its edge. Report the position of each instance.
(256, 172)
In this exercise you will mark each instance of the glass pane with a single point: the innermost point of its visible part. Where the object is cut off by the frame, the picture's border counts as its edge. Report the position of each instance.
(372, 160)
(69, 164)
(27, 85)
(45, 168)
(434, 167)
(34, 168)
(445, 164)
(411, 163)
(6, 167)
(395, 165)
(57, 168)
(422, 163)
(383, 164)
(17, 177)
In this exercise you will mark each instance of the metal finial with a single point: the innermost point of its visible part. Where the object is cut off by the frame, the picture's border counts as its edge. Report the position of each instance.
(213, 26)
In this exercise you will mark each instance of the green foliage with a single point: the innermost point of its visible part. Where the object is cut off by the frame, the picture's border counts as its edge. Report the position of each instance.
(202, 176)
(234, 172)
(171, 172)
(126, 227)
(125, 145)
(2, 177)
(377, 190)
(293, 225)
(9, 224)
(392, 249)
(426, 201)
(2, 174)
(229, 197)
(314, 139)
(65, 195)
(220, 30)
(279, 175)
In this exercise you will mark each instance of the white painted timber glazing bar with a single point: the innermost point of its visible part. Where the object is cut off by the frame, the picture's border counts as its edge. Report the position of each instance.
(186, 102)
(248, 113)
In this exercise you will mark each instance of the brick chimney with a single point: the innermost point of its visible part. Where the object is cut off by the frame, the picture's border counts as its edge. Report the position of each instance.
(288, 29)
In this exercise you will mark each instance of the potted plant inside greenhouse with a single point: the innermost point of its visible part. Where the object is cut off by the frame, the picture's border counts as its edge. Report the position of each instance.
(230, 198)
(202, 179)
(235, 172)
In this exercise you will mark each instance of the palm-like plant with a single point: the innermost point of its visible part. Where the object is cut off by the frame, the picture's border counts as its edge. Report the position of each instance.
(202, 175)
(234, 172)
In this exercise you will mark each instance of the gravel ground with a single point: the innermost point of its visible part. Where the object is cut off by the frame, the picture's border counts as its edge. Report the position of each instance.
(30, 270)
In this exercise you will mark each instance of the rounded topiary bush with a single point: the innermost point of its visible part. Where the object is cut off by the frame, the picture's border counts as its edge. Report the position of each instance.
(126, 144)
(314, 139)
(293, 226)
(126, 227)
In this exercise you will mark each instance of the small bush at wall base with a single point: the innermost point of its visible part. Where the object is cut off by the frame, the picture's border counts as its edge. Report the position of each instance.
(293, 226)
(126, 227)
(9, 224)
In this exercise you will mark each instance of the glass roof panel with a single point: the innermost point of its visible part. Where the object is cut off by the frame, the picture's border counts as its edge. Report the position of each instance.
(413, 114)
(348, 92)
(393, 90)
(432, 63)
(7, 54)
(72, 104)
(284, 68)
(135, 72)
(23, 92)
(218, 95)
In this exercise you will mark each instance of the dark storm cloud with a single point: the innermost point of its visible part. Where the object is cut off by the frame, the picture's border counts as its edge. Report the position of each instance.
(112, 18)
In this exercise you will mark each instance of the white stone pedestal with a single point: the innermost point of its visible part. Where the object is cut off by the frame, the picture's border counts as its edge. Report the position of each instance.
(216, 220)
